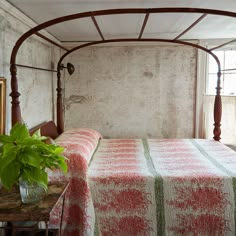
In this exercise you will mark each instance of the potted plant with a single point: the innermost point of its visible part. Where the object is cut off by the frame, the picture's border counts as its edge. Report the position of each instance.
(24, 159)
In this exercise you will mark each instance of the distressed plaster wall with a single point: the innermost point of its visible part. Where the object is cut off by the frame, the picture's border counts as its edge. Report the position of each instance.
(35, 86)
(130, 91)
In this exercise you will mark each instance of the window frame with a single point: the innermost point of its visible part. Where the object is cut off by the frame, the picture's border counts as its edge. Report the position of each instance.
(206, 92)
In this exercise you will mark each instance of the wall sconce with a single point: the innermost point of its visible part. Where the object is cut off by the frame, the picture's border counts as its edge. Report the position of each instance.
(70, 68)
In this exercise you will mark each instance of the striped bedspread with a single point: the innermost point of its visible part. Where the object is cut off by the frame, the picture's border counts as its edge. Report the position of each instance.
(163, 187)
(78, 217)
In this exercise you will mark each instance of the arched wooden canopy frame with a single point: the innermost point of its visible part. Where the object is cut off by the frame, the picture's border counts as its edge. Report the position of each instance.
(16, 111)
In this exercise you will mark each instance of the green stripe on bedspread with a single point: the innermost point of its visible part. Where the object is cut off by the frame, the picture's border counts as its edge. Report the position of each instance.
(159, 191)
(222, 168)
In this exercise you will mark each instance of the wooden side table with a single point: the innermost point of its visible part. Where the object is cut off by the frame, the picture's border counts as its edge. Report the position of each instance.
(13, 210)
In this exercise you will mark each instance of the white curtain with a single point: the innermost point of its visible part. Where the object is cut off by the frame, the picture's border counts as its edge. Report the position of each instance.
(228, 122)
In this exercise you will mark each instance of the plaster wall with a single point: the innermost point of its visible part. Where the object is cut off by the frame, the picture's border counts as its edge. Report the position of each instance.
(133, 92)
(35, 86)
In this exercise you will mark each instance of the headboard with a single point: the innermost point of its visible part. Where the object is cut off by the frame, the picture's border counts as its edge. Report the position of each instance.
(48, 129)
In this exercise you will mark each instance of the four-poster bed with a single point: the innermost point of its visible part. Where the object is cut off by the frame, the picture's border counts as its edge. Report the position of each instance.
(135, 186)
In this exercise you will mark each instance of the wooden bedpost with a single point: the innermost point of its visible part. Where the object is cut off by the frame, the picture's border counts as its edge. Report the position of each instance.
(15, 109)
(217, 110)
(60, 117)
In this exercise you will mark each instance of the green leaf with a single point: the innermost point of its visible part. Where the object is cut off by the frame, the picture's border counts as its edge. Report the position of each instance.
(7, 156)
(19, 132)
(37, 175)
(58, 150)
(62, 165)
(37, 135)
(32, 158)
(29, 141)
(10, 175)
(5, 139)
(1, 149)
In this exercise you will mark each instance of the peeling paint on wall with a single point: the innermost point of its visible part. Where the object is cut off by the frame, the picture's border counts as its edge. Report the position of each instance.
(148, 74)
(73, 99)
(136, 92)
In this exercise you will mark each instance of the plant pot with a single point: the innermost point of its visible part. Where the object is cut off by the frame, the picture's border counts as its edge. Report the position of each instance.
(31, 192)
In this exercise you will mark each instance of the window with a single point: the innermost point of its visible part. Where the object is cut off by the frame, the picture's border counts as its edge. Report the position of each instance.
(227, 59)
(228, 78)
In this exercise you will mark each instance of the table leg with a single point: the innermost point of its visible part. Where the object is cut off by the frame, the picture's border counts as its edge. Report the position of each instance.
(62, 212)
(12, 231)
(46, 223)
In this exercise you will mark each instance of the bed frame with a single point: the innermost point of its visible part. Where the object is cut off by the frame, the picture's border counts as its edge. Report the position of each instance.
(50, 129)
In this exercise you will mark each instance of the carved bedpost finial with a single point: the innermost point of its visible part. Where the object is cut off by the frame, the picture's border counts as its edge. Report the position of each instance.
(60, 117)
(217, 110)
(16, 112)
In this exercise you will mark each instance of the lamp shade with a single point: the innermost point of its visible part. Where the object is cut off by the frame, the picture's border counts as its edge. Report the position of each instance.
(70, 68)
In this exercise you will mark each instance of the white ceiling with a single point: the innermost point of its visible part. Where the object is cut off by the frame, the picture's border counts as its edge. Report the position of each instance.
(128, 26)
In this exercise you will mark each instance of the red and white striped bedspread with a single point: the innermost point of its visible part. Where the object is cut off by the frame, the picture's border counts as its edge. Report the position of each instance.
(79, 217)
(163, 187)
